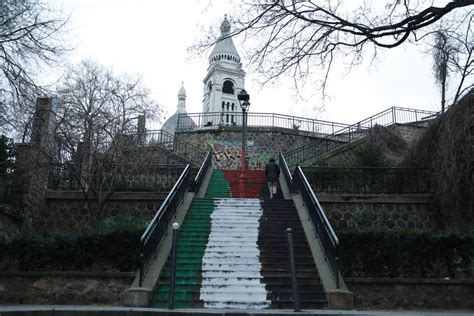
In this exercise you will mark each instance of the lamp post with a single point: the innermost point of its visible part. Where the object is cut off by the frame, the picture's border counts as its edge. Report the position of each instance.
(243, 98)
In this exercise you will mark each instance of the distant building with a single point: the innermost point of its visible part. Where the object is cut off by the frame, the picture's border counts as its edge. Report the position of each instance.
(224, 80)
(172, 122)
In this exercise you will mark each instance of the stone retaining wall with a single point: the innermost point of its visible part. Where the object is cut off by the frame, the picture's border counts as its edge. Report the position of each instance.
(69, 210)
(418, 294)
(262, 144)
(390, 211)
(71, 288)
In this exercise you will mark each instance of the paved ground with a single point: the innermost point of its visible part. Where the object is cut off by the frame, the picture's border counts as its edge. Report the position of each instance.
(44, 310)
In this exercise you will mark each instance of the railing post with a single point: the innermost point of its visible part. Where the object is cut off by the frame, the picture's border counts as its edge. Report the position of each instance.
(394, 118)
(294, 281)
(173, 265)
(336, 269)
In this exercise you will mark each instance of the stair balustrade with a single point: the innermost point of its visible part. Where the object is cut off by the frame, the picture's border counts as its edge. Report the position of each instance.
(172, 143)
(157, 230)
(350, 133)
(321, 225)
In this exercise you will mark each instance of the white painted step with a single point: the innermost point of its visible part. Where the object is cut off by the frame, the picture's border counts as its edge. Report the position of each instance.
(231, 276)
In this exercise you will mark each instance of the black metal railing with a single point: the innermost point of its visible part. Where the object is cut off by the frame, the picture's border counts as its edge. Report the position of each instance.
(172, 143)
(215, 120)
(203, 170)
(117, 177)
(394, 115)
(286, 171)
(157, 230)
(321, 225)
(368, 180)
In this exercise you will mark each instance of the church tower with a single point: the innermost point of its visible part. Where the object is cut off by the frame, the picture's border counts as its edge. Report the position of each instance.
(184, 120)
(224, 80)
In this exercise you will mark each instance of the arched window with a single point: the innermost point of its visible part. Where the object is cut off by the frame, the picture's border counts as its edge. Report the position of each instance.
(228, 87)
(223, 104)
(232, 106)
(209, 87)
(227, 106)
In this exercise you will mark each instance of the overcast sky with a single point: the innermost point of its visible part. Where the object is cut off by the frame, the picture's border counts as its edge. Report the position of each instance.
(152, 38)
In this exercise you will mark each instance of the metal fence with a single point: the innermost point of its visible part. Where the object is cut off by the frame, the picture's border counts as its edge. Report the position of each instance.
(394, 115)
(215, 120)
(172, 143)
(133, 178)
(368, 180)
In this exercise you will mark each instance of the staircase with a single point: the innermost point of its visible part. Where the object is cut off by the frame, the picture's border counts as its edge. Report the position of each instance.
(232, 253)
(253, 187)
(351, 133)
(278, 215)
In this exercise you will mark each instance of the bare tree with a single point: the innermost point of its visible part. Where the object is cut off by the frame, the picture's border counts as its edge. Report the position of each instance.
(441, 56)
(97, 113)
(298, 37)
(31, 36)
(453, 57)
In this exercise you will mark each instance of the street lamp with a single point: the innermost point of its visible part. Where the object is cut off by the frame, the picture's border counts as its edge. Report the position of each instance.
(243, 98)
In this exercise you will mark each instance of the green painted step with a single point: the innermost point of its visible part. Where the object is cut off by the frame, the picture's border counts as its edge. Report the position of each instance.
(218, 186)
(192, 242)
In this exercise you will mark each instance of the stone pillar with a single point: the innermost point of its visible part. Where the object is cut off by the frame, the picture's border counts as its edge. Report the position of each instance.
(141, 129)
(32, 163)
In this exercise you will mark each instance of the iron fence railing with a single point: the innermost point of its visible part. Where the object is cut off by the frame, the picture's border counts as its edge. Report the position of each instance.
(116, 177)
(394, 115)
(172, 143)
(214, 120)
(368, 180)
(321, 224)
(157, 230)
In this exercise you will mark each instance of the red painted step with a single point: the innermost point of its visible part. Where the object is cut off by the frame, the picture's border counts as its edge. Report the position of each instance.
(255, 179)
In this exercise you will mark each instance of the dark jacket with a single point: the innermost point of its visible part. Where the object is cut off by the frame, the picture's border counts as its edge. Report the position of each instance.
(272, 171)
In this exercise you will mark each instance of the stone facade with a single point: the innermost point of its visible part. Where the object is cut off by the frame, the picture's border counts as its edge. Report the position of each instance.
(406, 294)
(389, 211)
(345, 155)
(63, 288)
(69, 210)
(262, 143)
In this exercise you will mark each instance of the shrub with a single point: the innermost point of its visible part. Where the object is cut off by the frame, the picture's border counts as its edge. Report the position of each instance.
(111, 246)
(407, 253)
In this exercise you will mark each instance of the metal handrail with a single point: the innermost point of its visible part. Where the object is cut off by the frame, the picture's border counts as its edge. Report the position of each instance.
(202, 170)
(393, 115)
(286, 171)
(157, 230)
(215, 120)
(321, 224)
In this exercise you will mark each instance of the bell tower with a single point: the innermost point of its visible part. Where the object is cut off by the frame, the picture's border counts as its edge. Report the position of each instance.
(224, 80)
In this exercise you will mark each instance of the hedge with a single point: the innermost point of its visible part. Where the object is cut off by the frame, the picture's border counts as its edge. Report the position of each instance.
(102, 250)
(407, 254)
